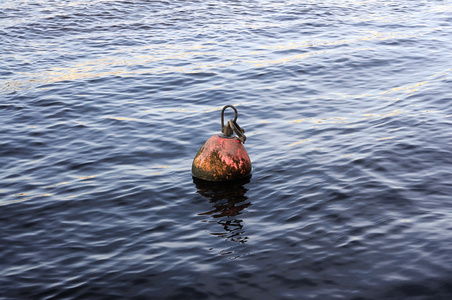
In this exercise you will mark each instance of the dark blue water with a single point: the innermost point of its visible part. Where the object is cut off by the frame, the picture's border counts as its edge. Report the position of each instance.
(348, 112)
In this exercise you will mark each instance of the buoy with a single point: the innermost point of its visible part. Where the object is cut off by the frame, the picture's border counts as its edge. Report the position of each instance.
(223, 157)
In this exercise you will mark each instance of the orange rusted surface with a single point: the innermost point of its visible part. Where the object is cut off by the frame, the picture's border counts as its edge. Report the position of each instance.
(220, 159)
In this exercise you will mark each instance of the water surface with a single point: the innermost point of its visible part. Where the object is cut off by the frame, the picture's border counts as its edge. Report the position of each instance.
(347, 108)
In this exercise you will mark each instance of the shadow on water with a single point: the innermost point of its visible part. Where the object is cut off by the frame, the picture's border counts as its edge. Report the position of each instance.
(227, 200)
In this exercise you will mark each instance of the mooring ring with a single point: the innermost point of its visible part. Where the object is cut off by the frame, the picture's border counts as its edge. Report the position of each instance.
(222, 115)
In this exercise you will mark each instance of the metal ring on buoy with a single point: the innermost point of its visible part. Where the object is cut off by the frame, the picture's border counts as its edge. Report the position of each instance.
(222, 115)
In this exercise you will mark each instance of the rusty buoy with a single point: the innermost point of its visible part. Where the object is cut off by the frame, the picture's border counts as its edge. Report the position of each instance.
(223, 157)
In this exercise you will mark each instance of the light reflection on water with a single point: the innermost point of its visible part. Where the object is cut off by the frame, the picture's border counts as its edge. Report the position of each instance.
(130, 61)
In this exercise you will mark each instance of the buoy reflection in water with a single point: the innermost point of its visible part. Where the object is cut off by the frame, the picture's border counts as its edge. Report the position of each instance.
(228, 200)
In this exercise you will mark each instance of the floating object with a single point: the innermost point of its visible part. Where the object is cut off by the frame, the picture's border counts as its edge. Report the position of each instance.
(223, 157)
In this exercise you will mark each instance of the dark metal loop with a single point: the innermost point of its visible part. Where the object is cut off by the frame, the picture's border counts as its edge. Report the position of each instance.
(232, 125)
(222, 115)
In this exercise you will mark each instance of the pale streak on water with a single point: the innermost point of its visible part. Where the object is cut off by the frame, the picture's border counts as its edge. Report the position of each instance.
(347, 107)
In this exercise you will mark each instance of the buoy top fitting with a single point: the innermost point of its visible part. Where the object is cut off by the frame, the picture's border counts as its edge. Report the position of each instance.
(232, 125)
(223, 157)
